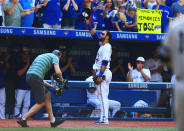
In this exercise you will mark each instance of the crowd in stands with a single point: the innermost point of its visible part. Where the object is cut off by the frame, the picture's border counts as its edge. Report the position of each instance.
(114, 15)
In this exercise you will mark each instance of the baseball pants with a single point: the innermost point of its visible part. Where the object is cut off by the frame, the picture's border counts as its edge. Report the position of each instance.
(103, 91)
(179, 104)
(2, 103)
(22, 96)
(114, 105)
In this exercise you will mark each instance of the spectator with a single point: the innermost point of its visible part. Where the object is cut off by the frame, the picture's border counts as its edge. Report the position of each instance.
(108, 16)
(14, 13)
(52, 14)
(178, 8)
(99, 23)
(70, 9)
(117, 67)
(27, 20)
(80, 24)
(131, 3)
(118, 3)
(2, 10)
(166, 16)
(139, 4)
(22, 92)
(140, 74)
(93, 100)
(38, 14)
(66, 65)
(148, 4)
(131, 20)
(2, 91)
(120, 19)
(155, 66)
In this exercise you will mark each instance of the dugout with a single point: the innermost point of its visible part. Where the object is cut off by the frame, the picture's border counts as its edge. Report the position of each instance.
(79, 44)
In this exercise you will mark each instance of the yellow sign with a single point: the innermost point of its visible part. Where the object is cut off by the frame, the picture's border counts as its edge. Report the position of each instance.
(149, 21)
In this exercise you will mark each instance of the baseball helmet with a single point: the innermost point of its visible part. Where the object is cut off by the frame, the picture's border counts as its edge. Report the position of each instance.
(56, 52)
(86, 13)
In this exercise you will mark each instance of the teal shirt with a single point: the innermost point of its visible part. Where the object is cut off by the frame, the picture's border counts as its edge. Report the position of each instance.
(42, 64)
(13, 19)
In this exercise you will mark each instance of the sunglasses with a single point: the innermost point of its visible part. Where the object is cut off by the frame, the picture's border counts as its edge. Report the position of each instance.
(102, 33)
(140, 62)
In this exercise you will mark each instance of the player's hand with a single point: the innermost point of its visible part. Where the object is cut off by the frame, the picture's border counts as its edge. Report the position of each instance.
(99, 80)
(130, 67)
(139, 67)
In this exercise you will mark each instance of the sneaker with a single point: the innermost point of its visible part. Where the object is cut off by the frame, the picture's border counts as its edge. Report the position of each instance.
(101, 122)
(97, 122)
(23, 123)
(56, 123)
(106, 123)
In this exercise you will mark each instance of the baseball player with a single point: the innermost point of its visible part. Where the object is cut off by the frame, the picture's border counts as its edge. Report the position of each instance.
(34, 78)
(2, 93)
(139, 74)
(101, 67)
(173, 49)
(94, 101)
(23, 91)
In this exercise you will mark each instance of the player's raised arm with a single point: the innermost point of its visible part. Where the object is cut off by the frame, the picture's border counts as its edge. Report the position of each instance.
(91, 30)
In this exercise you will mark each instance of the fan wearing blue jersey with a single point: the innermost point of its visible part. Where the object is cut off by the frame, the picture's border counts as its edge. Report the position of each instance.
(27, 20)
(131, 20)
(108, 16)
(119, 20)
(69, 8)
(80, 24)
(167, 14)
(101, 67)
(52, 14)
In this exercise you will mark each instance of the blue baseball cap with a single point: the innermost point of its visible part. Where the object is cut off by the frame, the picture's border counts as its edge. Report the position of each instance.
(132, 8)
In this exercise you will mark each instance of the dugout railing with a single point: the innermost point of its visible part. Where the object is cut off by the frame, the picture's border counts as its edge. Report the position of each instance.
(126, 93)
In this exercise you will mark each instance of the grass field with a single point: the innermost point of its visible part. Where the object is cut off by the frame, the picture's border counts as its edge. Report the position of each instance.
(86, 129)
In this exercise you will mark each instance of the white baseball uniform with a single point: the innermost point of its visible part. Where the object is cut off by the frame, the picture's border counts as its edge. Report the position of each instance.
(104, 53)
(92, 99)
(174, 45)
(2, 103)
(137, 76)
(22, 96)
(152, 65)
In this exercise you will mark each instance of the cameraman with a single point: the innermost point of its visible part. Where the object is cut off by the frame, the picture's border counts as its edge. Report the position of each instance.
(35, 78)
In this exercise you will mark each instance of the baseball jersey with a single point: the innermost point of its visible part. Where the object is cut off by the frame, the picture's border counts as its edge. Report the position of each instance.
(120, 23)
(152, 65)
(166, 14)
(21, 80)
(137, 76)
(1, 76)
(175, 45)
(42, 64)
(173, 79)
(27, 20)
(104, 53)
(91, 95)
